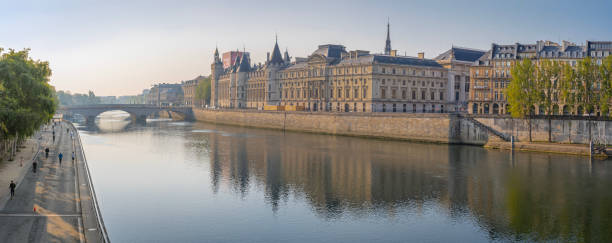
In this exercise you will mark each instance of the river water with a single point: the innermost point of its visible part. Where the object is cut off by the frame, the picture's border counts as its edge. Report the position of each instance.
(170, 181)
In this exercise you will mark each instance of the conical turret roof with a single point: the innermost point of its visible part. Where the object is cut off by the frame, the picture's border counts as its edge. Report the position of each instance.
(245, 64)
(277, 57)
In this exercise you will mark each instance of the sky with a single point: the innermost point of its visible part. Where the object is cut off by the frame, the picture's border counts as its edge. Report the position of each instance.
(122, 47)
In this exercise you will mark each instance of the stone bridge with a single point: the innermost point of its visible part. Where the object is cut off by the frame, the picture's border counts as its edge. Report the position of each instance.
(137, 112)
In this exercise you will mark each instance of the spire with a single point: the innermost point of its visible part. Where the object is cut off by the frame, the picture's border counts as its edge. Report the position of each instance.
(217, 59)
(277, 57)
(287, 58)
(388, 42)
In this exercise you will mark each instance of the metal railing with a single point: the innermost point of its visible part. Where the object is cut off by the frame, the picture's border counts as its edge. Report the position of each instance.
(92, 191)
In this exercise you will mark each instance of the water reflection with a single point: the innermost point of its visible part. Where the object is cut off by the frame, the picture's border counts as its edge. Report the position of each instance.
(524, 196)
(183, 182)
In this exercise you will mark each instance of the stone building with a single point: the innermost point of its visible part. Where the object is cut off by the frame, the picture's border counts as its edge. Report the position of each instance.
(165, 94)
(334, 79)
(458, 61)
(189, 91)
(490, 74)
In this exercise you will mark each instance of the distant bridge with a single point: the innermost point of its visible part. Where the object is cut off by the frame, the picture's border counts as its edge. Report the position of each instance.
(138, 112)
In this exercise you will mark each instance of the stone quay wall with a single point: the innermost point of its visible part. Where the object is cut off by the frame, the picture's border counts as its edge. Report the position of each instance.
(438, 128)
(578, 130)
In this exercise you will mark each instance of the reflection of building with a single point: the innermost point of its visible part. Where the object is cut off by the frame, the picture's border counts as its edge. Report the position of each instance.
(165, 95)
(524, 196)
(457, 61)
(189, 91)
(490, 74)
(333, 79)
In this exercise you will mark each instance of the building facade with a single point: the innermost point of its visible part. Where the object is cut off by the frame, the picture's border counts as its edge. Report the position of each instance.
(458, 61)
(165, 94)
(490, 74)
(189, 91)
(334, 79)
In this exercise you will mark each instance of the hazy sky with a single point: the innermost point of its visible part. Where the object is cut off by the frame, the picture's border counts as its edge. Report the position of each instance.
(122, 47)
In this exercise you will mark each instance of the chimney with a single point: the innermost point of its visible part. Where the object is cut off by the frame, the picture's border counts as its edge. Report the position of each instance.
(393, 53)
(421, 55)
(268, 57)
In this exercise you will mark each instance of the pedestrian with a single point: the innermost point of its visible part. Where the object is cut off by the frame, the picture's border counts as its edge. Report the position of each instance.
(66, 130)
(34, 164)
(60, 156)
(12, 187)
(46, 152)
(21, 162)
(72, 156)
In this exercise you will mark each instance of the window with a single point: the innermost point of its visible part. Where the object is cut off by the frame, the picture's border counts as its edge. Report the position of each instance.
(423, 95)
(413, 108)
(404, 94)
(404, 108)
(432, 96)
(441, 95)
(456, 96)
(383, 93)
(394, 107)
(414, 95)
(356, 94)
(393, 93)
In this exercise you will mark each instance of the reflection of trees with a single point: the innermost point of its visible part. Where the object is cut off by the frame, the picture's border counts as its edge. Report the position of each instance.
(529, 197)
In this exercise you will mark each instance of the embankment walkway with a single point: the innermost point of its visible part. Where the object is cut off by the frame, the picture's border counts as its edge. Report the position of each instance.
(55, 203)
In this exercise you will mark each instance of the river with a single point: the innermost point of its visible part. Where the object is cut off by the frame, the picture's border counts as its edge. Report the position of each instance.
(170, 181)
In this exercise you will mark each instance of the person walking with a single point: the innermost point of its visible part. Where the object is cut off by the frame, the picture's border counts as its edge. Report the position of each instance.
(46, 152)
(34, 164)
(12, 187)
(72, 156)
(60, 156)
(54, 136)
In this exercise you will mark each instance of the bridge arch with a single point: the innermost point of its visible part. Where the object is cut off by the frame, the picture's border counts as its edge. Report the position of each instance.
(137, 112)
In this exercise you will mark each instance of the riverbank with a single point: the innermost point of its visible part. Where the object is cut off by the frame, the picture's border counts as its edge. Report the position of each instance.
(422, 127)
(571, 149)
(54, 202)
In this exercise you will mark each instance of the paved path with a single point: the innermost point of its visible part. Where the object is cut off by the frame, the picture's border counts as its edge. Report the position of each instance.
(47, 204)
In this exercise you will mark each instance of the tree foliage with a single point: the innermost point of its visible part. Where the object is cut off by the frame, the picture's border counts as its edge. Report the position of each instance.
(65, 98)
(202, 92)
(26, 98)
(522, 93)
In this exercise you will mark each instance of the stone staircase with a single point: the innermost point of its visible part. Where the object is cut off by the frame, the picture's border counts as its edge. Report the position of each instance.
(492, 131)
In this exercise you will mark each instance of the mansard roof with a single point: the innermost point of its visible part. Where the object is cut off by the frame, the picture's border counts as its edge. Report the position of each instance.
(330, 50)
(461, 54)
(385, 59)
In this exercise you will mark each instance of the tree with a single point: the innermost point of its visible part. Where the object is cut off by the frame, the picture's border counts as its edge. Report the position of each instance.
(587, 79)
(27, 100)
(548, 73)
(522, 92)
(203, 91)
(605, 73)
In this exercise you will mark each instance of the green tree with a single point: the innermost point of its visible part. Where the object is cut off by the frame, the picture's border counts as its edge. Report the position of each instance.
(522, 93)
(587, 79)
(605, 73)
(567, 87)
(547, 77)
(27, 100)
(203, 91)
